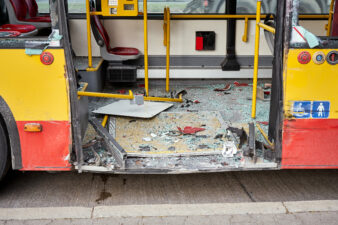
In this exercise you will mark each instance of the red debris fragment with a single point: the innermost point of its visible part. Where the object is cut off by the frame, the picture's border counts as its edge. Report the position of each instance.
(263, 123)
(141, 85)
(197, 102)
(122, 91)
(237, 84)
(267, 85)
(226, 88)
(190, 130)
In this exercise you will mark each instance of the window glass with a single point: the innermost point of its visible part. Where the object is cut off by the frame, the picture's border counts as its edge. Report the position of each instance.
(77, 6)
(205, 6)
(308, 34)
(43, 6)
(269, 6)
(185, 6)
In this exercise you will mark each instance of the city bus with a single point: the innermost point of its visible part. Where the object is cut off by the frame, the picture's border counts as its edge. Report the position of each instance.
(168, 87)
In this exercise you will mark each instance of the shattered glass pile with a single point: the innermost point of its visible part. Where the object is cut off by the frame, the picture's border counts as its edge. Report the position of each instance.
(219, 110)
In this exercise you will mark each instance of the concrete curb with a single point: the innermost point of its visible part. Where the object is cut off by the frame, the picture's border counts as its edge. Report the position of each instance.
(312, 206)
(189, 209)
(45, 213)
(167, 210)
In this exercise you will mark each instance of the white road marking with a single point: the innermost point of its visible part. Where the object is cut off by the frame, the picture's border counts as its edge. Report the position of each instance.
(165, 210)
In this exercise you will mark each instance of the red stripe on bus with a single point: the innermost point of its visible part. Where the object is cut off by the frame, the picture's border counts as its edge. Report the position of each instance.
(310, 144)
(48, 149)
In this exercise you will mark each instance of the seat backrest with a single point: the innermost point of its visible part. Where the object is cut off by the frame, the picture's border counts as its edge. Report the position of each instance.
(100, 32)
(32, 8)
(20, 9)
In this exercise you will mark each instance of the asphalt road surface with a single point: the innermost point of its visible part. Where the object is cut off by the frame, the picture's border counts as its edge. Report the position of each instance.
(42, 189)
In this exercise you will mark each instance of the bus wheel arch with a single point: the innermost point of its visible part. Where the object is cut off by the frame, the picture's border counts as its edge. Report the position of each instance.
(10, 129)
(4, 150)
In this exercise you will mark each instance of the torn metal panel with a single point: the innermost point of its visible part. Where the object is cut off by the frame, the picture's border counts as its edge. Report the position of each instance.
(252, 141)
(110, 143)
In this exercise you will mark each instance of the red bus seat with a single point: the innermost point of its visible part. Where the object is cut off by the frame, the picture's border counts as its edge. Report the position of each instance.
(24, 30)
(33, 11)
(17, 12)
(108, 53)
(124, 51)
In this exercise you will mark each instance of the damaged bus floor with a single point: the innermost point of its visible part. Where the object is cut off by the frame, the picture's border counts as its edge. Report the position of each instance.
(220, 109)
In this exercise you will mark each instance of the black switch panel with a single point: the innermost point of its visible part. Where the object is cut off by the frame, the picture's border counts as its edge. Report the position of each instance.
(209, 39)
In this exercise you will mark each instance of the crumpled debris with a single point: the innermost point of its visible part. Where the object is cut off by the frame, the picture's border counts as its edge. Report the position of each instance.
(218, 136)
(183, 92)
(144, 148)
(122, 91)
(237, 84)
(240, 133)
(263, 122)
(203, 146)
(226, 88)
(189, 102)
(146, 139)
(229, 149)
(171, 148)
(190, 130)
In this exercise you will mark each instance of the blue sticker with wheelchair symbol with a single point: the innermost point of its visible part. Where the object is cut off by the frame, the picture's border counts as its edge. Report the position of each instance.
(302, 109)
(320, 110)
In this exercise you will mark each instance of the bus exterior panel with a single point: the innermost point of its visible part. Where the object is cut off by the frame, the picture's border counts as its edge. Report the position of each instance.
(38, 93)
(310, 127)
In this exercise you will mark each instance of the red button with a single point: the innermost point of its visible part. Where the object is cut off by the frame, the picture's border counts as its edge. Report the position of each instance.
(304, 57)
(46, 58)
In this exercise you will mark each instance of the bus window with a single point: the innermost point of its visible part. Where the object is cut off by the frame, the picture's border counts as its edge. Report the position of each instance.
(26, 22)
(308, 33)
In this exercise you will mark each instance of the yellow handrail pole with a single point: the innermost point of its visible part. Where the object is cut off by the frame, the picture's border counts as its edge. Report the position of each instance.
(329, 23)
(105, 95)
(216, 16)
(168, 50)
(245, 35)
(160, 99)
(104, 121)
(165, 26)
(266, 27)
(96, 13)
(145, 36)
(255, 75)
(89, 37)
(130, 96)
(264, 135)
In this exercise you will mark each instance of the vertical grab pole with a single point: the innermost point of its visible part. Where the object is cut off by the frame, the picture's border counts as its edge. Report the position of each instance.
(329, 24)
(246, 25)
(145, 36)
(167, 11)
(89, 37)
(255, 75)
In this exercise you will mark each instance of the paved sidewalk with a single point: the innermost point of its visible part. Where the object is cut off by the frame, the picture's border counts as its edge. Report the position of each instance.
(315, 218)
(289, 213)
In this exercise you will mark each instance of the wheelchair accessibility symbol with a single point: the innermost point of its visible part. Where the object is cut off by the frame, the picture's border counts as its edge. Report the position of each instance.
(320, 109)
(302, 109)
(309, 109)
